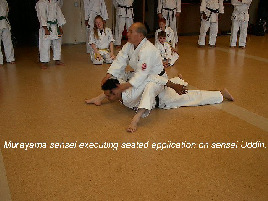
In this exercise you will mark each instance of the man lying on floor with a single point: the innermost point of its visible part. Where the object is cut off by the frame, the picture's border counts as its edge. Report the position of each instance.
(167, 99)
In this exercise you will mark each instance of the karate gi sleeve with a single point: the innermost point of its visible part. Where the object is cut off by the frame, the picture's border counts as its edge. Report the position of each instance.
(104, 13)
(115, 3)
(144, 66)
(168, 48)
(92, 39)
(221, 7)
(247, 1)
(119, 65)
(178, 3)
(60, 17)
(203, 6)
(41, 13)
(159, 7)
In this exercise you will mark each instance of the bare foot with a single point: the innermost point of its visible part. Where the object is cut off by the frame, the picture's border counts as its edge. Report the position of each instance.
(59, 63)
(201, 46)
(212, 46)
(133, 125)
(44, 65)
(12, 62)
(225, 93)
(180, 76)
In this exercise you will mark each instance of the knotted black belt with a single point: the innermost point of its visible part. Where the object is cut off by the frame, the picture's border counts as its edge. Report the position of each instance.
(173, 12)
(126, 8)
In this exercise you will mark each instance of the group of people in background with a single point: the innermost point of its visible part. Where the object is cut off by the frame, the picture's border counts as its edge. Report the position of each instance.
(100, 40)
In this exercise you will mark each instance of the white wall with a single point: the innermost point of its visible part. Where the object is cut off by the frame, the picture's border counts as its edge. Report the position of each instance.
(74, 29)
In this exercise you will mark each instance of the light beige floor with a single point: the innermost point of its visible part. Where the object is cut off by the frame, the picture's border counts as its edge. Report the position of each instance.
(47, 106)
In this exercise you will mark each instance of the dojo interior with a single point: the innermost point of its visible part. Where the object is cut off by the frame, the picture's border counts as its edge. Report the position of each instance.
(222, 149)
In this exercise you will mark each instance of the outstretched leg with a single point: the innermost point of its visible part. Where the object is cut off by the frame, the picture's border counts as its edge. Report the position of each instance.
(225, 93)
(134, 123)
(97, 100)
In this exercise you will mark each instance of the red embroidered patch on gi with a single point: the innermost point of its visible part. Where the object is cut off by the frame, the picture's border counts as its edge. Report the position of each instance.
(143, 66)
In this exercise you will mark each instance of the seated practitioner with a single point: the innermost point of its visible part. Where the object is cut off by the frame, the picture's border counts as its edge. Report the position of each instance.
(169, 33)
(166, 53)
(167, 99)
(101, 41)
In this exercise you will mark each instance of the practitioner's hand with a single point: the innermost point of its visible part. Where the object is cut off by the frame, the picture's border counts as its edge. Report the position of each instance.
(165, 64)
(160, 16)
(61, 31)
(177, 14)
(121, 87)
(106, 78)
(47, 32)
(98, 56)
(112, 56)
(174, 50)
(204, 16)
(86, 23)
(180, 89)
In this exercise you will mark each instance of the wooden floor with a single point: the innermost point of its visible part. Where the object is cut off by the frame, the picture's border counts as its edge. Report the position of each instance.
(44, 107)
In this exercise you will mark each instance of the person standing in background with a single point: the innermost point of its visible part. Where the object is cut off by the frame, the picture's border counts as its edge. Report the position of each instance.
(5, 34)
(51, 21)
(124, 16)
(210, 10)
(240, 18)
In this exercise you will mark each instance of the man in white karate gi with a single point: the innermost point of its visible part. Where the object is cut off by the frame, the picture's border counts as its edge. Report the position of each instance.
(240, 18)
(168, 98)
(124, 16)
(51, 21)
(170, 10)
(210, 10)
(92, 9)
(144, 58)
(5, 34)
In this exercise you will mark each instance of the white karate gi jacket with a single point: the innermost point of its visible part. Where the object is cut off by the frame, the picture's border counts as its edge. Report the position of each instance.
(105, 38)
(124, 8)
(170, 4)
(4, 13)
(240, 12)
(212, 4)
(169, 36)
(166, 53)
(145, 60)
(49, 11)
(94, 8)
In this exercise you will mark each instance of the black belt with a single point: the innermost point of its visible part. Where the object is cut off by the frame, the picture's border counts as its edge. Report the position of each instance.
(213, 10)
(162, 72)
(156, 101)
(126, 8)
(170, 9)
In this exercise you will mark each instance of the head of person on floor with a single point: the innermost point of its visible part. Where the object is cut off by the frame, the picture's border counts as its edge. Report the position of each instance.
(162, 37)
(108, 87)
(162, 24)
(136, 33)
(99, 24)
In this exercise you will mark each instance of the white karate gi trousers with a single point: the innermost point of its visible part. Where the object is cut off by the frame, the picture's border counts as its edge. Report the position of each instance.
(106, 58)
(120, 24)
(44, 47)
(5, 36)
(169, 99)
(205, 25)
(243, 26)
(172, 23)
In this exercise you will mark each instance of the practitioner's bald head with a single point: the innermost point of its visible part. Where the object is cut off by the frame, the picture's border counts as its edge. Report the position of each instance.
(136, 33)
(140, 28)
